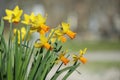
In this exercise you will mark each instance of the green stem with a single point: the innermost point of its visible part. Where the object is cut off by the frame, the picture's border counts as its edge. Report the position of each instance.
(9, 57)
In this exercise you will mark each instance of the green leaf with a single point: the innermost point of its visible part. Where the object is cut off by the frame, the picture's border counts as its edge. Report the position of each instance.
(1, 27)
(3, 57)
(9, 66)
(27, 59)
(48, 67)
(16, 59)
(9, 56)
(35, 68)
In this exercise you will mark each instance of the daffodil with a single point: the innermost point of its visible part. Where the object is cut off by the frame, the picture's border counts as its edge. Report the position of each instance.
(19, 33)
(36, 22)
(13, 15)
(80, 56)
(57, 35)
(43, 43)
(66, 30)
(40, 21)
(62, 58)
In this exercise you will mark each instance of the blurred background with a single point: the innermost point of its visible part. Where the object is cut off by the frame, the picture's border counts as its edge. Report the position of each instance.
(97, 24)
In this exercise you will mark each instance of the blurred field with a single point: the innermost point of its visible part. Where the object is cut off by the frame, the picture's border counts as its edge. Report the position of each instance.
(75, 45)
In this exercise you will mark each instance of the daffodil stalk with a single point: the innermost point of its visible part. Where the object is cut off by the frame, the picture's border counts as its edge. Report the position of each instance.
(22, 60)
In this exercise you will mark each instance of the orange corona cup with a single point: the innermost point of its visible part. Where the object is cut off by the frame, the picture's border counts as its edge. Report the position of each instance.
(71, 34)
(63, 39)
(64, 60)
(47, 46)
(83, 60)
(44, 27)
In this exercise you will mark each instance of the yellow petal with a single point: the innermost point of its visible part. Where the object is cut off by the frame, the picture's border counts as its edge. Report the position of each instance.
(41, 19)
(16, 8)
(9, 15)
(43, 39)
(82, 52)
(58, 32)
(75, 58)
(38, 45)
(26, 19)
(32, 17)
(23, 31)
(65, 27)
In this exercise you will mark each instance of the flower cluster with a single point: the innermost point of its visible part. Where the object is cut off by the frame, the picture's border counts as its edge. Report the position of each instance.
(37, 23)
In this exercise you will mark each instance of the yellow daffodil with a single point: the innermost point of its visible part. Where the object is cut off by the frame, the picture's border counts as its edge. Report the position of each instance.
(43, 43)
(23, 34)
(40, 22)
(66, 30)
(80, 56)
(57, 35)
(37, 23)
(61, 38)
(62, 58)
(13, 15)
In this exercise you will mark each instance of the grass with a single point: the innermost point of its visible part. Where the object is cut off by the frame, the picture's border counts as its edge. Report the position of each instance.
(93, 45)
